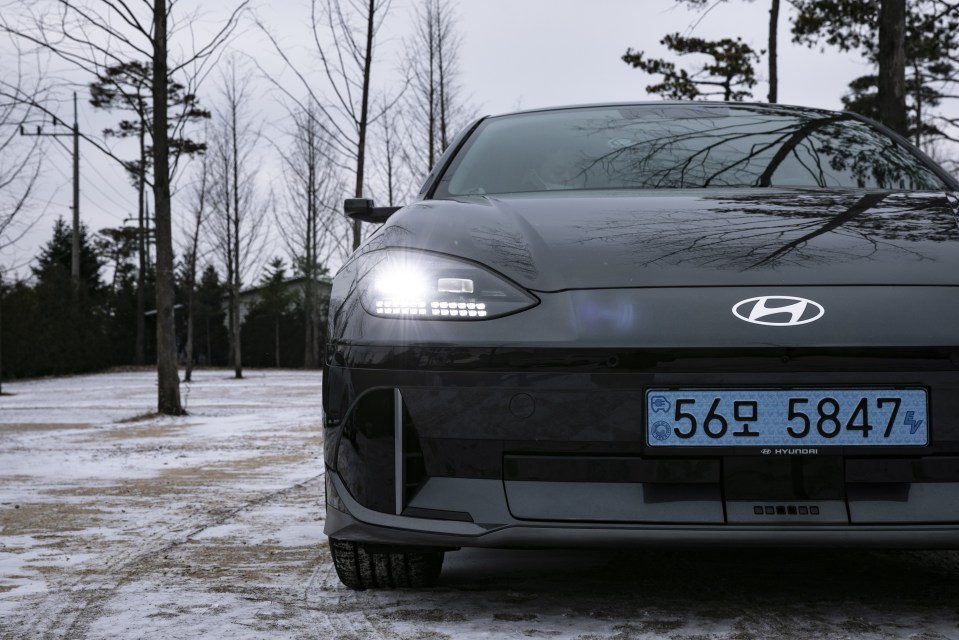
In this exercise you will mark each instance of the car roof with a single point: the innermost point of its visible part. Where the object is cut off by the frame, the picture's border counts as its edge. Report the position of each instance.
(670, 103)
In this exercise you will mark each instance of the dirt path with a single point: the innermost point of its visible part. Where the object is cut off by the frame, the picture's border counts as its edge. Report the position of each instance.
(210, 526)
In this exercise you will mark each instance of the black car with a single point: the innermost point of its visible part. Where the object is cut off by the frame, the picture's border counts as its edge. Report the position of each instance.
(644, 324)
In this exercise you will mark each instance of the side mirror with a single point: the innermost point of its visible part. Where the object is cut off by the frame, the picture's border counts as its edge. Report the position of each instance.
(363, 209)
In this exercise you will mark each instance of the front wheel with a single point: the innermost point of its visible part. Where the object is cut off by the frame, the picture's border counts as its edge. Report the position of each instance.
(360, 568)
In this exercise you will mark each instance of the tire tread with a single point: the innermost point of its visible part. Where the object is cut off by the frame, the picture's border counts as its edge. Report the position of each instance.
(358, 568)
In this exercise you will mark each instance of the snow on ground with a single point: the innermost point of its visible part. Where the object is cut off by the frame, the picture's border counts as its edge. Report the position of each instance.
(118, 524)
(94, 488)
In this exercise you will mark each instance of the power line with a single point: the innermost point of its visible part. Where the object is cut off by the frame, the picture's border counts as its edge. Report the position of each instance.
(75, 132)
(98, 188)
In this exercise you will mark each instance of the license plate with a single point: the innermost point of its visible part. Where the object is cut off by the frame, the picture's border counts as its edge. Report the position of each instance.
(806, 417)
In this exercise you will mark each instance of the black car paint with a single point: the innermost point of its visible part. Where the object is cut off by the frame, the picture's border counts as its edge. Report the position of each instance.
(637, 294)
(589, 240)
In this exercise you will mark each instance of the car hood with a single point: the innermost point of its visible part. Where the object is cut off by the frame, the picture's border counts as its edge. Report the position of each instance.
(722, 237)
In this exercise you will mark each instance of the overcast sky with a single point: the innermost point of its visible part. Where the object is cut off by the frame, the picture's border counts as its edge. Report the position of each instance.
(515, 54)
(534, 53)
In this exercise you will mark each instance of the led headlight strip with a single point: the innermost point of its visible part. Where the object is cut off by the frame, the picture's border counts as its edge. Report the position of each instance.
(409, 284)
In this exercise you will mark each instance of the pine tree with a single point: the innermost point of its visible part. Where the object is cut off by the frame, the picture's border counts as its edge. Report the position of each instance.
(730, 74)
(67, 336)
(931, 39)
(275, 300)
(53, 263)
(210, 318)
(128, 87)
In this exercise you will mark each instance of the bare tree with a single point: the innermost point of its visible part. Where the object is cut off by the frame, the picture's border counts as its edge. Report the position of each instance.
(19, 156)
(190, 250)
(93, 35)
(434, 104)
(20, 160)
(237, 210)
(394, 163)
(344, 35)
(310, 222)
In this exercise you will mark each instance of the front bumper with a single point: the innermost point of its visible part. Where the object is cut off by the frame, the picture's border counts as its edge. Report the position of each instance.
(349, 520)
(470, 447)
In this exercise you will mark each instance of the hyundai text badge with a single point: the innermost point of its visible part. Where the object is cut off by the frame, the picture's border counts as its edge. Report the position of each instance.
(778, 311)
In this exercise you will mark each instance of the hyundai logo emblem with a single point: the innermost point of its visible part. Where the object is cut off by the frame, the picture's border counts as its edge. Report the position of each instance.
(778, 311)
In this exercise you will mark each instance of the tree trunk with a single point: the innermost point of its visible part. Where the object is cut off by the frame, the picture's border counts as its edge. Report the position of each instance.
(191, 275)
(230, 351)
(234, 225)
(168, 380)
(237, 351)
(892, 66)
(364, 111)
(1, 333)
(230, 261)
(235, 285)
(773, 45)
(917, 97)
(188, 373)
(431, 36)
(140, 354)
(316, 344)
(309, 357)
(276, 337)
(442, 16)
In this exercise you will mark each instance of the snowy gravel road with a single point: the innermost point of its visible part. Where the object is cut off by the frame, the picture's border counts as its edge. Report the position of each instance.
(118, 524)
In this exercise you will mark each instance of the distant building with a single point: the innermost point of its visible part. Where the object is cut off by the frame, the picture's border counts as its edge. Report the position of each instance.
(250, 297)
(271, 339)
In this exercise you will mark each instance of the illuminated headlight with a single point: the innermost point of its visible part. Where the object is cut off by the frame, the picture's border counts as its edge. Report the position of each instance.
(409, 284)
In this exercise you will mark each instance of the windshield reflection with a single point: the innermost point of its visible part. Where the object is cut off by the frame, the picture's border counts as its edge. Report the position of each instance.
(776, 230)
(681, 147)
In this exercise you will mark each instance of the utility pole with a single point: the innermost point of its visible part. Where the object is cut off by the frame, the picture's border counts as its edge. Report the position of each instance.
(75, 132)
(75, 261)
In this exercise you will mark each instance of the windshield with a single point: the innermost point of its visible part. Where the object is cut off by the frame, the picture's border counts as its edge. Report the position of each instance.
(681, 147)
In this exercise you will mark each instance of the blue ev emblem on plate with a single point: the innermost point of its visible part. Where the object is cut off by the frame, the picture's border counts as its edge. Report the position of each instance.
(659, 404)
